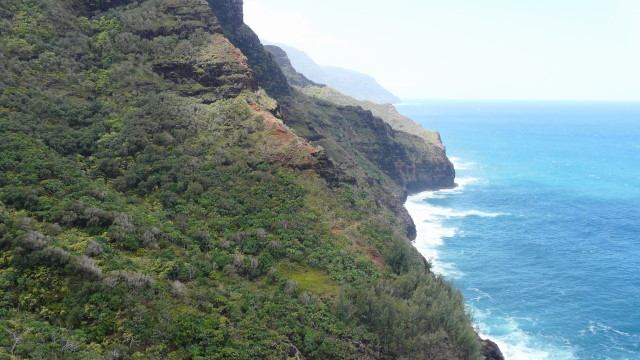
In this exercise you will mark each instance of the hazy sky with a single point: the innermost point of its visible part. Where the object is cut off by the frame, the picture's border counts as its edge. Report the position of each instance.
(473, 49)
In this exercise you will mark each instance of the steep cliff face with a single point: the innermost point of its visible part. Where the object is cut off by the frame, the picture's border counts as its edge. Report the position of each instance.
(268, 74)
(416, 162)
(386, 112)
(293, 77)
(156, 201)
(398, 161)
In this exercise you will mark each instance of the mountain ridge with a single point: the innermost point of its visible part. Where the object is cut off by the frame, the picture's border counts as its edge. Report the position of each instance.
(350, 82)
(436, 160)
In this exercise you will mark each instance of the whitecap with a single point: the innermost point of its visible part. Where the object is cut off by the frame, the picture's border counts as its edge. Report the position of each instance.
(430, 224)
(460, 164)
(481, 295)
(598, 326)
(432, 231)
(476, 213)
(462, 182)
(515, 343)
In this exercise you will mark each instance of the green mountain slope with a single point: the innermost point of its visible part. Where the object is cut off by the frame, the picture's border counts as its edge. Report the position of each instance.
(164, 193)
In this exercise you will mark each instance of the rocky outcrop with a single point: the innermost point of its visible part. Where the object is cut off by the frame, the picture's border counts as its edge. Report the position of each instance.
(413, 157)
(182, 18)
(386, 112)
(219, 70)
(191, 49)
(190, 15)
(491, 351)
(268, 74)
(293, 77)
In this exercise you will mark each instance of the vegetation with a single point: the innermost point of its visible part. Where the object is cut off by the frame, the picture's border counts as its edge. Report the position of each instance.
(152, 206)
(386, 112)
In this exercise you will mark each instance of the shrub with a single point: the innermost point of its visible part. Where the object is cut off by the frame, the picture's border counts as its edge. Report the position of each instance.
(93, 248)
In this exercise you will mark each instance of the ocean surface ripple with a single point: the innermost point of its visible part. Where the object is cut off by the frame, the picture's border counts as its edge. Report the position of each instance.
(542, 234)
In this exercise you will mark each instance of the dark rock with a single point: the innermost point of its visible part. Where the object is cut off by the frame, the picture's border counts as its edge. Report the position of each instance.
(295, 78)
(268, 73)
(219, 69)
(491, 351)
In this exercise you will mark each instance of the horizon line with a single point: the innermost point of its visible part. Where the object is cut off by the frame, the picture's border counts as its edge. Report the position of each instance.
(404, 99)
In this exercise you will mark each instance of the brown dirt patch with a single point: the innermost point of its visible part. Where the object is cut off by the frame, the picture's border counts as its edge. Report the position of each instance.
(374, 255)
(281, 132)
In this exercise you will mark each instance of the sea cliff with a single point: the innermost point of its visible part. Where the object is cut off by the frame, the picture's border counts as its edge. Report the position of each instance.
(166, 193)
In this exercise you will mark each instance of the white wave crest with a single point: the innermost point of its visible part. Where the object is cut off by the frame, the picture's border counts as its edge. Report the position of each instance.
(464, 181)
(432, 231)
(444, 193)
(430, 224)
(515, 343)
(481, 295)
(452, 214)
(460, 164)
(598, 326)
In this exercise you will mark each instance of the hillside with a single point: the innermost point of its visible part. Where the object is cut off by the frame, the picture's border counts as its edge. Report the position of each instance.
(349, 82)
(386, 112)
(414, 138)
(165, 193)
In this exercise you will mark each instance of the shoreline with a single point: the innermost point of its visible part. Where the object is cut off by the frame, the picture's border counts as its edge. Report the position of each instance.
(491, 348)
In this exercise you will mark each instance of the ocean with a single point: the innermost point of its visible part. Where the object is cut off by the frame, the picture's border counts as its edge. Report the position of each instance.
(542, 235)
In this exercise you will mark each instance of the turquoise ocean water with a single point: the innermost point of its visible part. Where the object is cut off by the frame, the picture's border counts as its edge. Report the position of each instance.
(543, 234)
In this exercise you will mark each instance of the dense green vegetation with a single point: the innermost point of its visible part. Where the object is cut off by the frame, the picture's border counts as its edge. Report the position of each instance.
(152, 207)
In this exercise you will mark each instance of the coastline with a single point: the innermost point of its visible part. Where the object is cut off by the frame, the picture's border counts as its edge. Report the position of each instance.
(561, 172)
(491, 347)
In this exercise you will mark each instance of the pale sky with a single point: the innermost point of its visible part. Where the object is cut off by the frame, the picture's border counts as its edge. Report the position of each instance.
(468, 49)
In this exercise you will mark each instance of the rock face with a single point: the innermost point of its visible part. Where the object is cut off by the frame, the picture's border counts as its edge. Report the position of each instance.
(351, 136)
(412, 157)
(268, 74)
(490, 350)
(433, 171)
(386, 112)
(370, 149)
(282, 59)
(219, 70)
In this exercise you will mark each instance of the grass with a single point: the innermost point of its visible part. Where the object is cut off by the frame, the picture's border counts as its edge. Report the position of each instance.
(310, 279)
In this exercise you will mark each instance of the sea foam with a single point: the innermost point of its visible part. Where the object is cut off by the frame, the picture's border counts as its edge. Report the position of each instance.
(432, 231)
(515, 343)
(431, 227)
(557, 279)
(460, 164)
